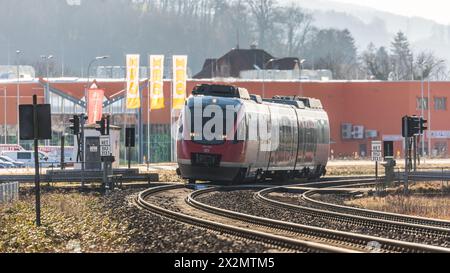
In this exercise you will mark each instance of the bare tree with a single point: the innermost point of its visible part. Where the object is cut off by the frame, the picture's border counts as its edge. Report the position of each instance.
(264, 12)
(377, 62)
(334, 50)
(297, 25)
(427, 65)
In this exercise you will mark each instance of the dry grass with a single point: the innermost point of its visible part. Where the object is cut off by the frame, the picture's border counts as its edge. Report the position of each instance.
(353, 170)
(71, 222)
(169, 176)
(428, 199)
(347, 170)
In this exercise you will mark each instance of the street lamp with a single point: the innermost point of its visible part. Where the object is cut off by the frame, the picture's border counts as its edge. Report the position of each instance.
(47, 89)
(47, 60)
(264, 77)
(300, 66)
(88, 75)
(4, 113)
(422, 108)
(18, 52)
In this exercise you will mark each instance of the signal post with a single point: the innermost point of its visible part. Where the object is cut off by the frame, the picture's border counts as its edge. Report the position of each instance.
(411, 127)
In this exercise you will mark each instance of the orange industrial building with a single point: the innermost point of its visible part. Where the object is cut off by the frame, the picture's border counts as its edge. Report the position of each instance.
(359, 111)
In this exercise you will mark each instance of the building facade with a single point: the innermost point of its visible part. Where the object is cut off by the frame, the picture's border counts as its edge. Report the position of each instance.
(359, 112)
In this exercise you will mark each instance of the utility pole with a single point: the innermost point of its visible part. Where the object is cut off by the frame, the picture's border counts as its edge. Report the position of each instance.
(47, 90)
(405, 120)
(4, 114)
(422, 106)
(18, 52)
(429, 119)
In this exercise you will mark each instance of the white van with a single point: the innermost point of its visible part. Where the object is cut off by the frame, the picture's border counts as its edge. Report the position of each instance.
(27, 157)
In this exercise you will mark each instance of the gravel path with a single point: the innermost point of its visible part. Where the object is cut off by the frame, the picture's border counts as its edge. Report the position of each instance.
(152, 233)
(243, 201)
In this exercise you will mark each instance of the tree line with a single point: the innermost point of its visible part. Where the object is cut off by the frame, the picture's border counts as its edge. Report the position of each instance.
(200, 29)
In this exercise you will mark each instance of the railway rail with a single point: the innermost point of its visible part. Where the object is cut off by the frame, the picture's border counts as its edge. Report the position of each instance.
(312, 238)
(300, 245)
(362, 217)
(420, 221)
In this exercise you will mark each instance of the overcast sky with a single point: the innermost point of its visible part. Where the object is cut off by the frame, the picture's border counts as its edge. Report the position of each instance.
(437, 10)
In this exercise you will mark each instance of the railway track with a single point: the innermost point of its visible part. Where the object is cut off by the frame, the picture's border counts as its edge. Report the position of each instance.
(433, 225)
(287, 234)
(420, 221)
(272, 239)
(373, 219)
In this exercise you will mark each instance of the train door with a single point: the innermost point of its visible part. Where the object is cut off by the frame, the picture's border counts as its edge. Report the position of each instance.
(310, 141)
(301, 142)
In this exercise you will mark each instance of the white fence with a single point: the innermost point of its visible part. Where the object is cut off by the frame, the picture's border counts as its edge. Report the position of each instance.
(9, 192)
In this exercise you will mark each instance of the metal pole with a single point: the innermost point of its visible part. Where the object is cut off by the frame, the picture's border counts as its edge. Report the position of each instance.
(18, 96)
(376, 171)
(171, 118)
(405, 126)
(264, 81)
(87, 86)
(4, 113)
(129, 153)
(415, 152)
(62, 152)
(47, 58)
(141, 132)
(82, 144)
(422, 110)
(36, 163)
(429, 119)
(148, 125)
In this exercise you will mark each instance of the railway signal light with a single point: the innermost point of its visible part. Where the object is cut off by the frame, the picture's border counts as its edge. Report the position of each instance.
(411, 126)
(414, 124)
(423, 123)
(104, 125)
(75, 127)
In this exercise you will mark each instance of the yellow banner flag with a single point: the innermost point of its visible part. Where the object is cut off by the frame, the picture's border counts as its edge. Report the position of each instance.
(133, 98)
(156, 82)
(179, 81)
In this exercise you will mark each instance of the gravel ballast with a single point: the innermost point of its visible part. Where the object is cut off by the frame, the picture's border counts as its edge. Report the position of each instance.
(243, 201)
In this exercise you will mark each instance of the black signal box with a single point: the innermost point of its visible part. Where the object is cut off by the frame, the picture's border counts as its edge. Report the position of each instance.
(388, 149)
(26, 122)
(130, 137)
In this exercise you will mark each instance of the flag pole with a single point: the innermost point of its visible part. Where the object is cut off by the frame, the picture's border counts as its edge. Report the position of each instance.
(171, 108)
(148, 117)
(125, 109)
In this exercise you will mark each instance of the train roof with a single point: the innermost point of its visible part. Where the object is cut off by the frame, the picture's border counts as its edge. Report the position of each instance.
(233, 92)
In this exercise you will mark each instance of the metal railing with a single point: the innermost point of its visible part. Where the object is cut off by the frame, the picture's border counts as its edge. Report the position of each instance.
(9, 192)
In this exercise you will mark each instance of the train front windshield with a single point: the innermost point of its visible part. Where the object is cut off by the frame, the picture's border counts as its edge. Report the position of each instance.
(209, 125)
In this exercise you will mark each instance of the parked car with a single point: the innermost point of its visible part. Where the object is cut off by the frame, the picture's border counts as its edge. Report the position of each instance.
(27, 158)
(3, 166)
(6, 164)
(17, 164)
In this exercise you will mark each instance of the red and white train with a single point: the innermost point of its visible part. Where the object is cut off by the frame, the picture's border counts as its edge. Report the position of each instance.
(279, 138)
